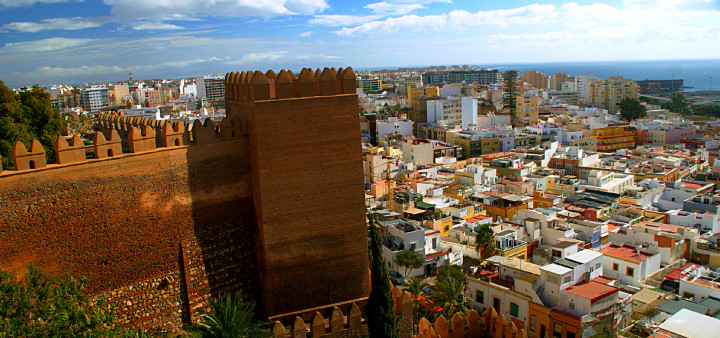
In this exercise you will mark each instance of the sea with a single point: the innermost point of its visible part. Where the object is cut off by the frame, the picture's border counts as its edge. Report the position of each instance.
(697, 75)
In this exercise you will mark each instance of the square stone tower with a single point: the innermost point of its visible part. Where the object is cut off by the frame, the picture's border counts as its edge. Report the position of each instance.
(306, 172)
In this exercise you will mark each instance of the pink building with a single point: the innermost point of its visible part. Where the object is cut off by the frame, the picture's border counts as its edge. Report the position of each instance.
(669, 135)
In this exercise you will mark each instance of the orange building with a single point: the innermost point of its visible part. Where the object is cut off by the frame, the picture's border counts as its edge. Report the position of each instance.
(536, 79)
(548, 322)
(610, 139)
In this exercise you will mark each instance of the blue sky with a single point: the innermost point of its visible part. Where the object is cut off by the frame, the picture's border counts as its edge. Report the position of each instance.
(72, 41)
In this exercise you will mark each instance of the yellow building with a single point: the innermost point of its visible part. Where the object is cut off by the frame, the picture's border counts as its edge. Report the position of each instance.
(527, 111)
(562, 186)
(610, 139)
(443, 225)
(368, 84)
(414, 93)
(607, 93)
(490, 145)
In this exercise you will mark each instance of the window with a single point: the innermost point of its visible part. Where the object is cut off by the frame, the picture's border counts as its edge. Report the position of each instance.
(479, 296)
(567, 279)
(572, 305)
(532, 323)
(412, 246)
(434, 243)
(616, 267)
(553, 279)
(557, 330)
(630, 271)
(514, 309)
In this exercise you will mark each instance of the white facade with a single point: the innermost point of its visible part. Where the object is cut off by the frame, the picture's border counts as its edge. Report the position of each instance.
(556, 278)
(590, 263)
(491, 120)
(606, 181)
(630, 272)
(505, 301)
(420, 153)
(469, 112)
(707, 221)
(394, 125)
(582, 84)
(92, 99)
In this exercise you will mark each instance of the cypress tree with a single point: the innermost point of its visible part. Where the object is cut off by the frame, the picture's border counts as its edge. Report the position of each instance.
(379, 308)
(510, 92)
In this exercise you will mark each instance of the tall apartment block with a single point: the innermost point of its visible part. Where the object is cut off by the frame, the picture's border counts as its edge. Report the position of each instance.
(212, 88)
(92, 99)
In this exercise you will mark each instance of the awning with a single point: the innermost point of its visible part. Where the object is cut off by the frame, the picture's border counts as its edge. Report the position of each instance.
(424, 205)
(414, 211)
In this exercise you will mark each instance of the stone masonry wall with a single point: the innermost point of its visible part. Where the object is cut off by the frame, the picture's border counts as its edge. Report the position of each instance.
(120, 221)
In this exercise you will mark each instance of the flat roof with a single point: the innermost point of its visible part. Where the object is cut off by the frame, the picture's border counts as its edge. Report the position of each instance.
(496, 259)
(624, 252)
(522, 265)
(584, 256)
(661, 226)
(568, 263)
(556, 269)
(688, 323)
(592, 290)
(564, 244)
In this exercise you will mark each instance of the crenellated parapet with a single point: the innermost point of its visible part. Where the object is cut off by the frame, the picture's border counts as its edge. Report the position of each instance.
(258, 86)
(332, 322)
(120, 133)
(33, 159)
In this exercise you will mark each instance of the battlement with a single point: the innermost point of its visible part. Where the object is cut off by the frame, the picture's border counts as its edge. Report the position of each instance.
(333, 322)
(256, 86)
(139, 134)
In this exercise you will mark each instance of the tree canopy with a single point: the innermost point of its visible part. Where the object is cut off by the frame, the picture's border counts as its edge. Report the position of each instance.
(25, 116)
(409, 259)
(510, 90)
(453, 271)
(44, 306)
(450, 295)
(679, 104)
(631, 109)
(485, 241)
(230, 316)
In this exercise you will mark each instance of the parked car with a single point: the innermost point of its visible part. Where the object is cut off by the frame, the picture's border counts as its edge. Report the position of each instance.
(396, 278)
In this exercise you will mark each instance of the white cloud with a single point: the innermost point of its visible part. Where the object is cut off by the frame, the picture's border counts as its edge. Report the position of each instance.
(223, 8)
(306, 34)
(399, 7)
(145, 26)
(72, 24)
(44, 45)
(278, 56)
(44, 72)
(334, 20)
(253, 58)
(392, 8)
(569, 17)
(379, 10)
(156, 12)
(28, 3)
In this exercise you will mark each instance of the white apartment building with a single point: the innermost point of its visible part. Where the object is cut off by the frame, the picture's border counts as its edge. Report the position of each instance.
(393, 125)
(628, 264)
(606, 181)
(94, 98)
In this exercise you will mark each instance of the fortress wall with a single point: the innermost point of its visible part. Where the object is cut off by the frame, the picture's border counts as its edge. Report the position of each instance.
(120, 221)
